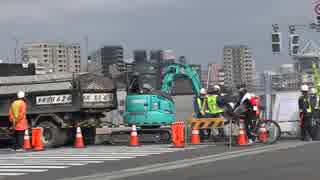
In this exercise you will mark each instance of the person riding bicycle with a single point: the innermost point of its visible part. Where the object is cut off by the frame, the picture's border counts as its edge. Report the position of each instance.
(247, 100)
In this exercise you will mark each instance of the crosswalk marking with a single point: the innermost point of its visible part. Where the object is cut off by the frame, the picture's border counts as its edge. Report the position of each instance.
(12, 174)
(34, 167)
(44, 163)
(67, 157)
(23, 170)
(36, 162)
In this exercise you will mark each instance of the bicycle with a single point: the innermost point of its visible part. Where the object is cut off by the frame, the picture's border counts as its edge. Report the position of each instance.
(273, 129)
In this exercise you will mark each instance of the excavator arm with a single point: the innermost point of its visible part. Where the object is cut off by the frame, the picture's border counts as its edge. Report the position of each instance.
(183, 71)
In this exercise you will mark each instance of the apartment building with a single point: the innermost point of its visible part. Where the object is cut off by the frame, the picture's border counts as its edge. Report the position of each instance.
(52, 57)
(239, 66)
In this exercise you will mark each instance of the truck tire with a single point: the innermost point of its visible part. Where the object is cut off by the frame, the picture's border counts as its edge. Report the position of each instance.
(52, 136)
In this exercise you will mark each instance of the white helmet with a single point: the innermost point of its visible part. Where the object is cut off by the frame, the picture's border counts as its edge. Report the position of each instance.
(304, 87)
(203, 91)
(20, 94)
(216, 87)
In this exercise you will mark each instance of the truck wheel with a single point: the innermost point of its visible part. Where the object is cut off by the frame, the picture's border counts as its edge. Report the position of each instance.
(52, 135)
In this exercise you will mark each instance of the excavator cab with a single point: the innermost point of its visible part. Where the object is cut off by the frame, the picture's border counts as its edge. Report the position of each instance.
(147, 107)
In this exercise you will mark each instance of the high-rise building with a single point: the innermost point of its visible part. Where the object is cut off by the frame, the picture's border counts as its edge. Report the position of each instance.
(52, 57)
(239, 66)
(140, 56)
(104, 59)
(215, 74)
(156, 56)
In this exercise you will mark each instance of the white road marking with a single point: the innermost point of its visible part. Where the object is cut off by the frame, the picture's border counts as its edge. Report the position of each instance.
(67, 157)
(52, 161)
(42, 163)
(33, 167)
(29, 162)
(190, 162)
(23, 170)
(12, 174)
(91, 155)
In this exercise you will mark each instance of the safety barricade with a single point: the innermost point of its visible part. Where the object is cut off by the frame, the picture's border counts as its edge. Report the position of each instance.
(206, 123)
(178, 129)
(197, 124)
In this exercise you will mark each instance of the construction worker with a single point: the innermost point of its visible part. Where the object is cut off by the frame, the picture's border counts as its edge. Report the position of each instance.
(246, 100)
(215, 102)
(305, 114)
(200, 104)
(315, 102)
(17, 116)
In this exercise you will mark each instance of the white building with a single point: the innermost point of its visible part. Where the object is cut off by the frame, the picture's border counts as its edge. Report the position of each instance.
(53, 57)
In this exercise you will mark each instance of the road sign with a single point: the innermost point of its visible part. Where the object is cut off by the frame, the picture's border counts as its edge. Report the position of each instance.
(317, 8)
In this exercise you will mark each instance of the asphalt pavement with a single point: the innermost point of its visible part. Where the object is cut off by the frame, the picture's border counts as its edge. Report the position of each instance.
(287, 159)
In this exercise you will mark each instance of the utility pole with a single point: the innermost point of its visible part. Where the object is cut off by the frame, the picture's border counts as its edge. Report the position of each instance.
(87, 52)
(16, 50)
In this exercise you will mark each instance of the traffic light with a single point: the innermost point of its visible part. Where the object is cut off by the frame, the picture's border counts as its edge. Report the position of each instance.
(294, 44)
(276, 42)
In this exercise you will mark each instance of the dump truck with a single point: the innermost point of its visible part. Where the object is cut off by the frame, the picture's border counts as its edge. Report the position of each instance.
(59, 103)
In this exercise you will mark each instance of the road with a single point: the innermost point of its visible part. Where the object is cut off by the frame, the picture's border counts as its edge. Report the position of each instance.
(287, 159)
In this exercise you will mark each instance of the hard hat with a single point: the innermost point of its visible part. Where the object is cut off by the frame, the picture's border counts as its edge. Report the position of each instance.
(203, 91)
(20, 94)
(304, 87)
(216, 88)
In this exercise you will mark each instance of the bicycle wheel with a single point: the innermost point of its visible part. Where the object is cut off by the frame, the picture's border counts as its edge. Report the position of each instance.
(273, 130)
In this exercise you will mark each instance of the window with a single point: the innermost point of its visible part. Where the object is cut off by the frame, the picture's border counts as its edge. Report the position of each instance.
(45, 50)
(60, 61)
(60, 56)
(60, 51)
(60, 66)
(75, 52)
(45, 55)
(45, 45)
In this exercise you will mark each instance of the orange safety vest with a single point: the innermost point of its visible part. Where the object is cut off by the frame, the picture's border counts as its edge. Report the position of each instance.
(17, 115)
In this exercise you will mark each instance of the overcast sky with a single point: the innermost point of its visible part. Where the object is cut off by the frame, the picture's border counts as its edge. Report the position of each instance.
(197, 29)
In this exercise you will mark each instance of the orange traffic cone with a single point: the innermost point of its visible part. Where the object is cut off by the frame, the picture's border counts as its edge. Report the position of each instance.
(79, 139)
(37, 139)
(195, 138)
(242, 137)
(134, 141)
(263, 135)
(26, 143)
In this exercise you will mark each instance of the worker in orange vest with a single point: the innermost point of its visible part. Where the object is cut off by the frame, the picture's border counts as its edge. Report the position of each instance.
(17, 116)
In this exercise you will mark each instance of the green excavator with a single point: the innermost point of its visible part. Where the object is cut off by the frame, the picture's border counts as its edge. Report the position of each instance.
(150, 109)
